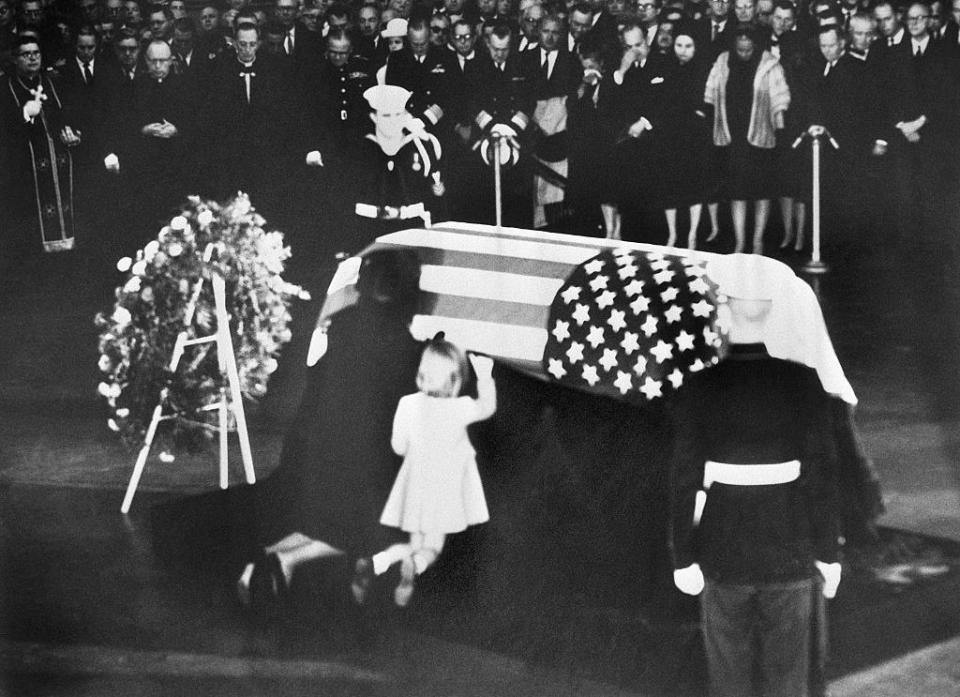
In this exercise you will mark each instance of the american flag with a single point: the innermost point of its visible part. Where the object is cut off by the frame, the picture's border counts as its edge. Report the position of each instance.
(491, 290)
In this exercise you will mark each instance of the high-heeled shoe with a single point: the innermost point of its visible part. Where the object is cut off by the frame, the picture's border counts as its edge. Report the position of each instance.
(279, 585)
(362, 579)
(404, 590)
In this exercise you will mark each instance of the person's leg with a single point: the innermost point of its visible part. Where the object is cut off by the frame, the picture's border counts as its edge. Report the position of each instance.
(727, 622)
(786, 214)
(786, 614)
(426, 549)
(611, 220)
(671, 214)
(761, 214)
(713, 209)
(738, 211)
(695, 211)
(801, 224)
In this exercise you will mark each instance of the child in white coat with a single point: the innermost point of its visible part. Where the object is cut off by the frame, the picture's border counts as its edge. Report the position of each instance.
(437, 490)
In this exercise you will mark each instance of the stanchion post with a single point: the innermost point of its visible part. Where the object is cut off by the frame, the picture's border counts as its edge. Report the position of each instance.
(497, 185)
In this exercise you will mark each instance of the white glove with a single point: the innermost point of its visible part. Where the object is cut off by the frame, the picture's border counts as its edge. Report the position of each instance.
(112, 163)
(831, 577)
(503, 130)
(482, 365)
(314, 159)
(689, 580)
(417, 127)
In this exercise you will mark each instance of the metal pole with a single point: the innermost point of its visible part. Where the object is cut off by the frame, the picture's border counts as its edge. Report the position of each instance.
(495, 139)
(815, 265)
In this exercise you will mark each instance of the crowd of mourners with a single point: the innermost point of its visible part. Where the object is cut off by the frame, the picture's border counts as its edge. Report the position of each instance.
(606, 113)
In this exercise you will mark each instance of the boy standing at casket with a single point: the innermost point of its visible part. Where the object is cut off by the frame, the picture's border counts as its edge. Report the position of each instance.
(755, 515)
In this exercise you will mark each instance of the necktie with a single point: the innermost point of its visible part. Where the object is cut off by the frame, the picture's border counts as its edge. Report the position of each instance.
(889, 41)
(246, 72)
(826, 68)
(918, 53)
(545, 65)
(87, 75)
(714, 31)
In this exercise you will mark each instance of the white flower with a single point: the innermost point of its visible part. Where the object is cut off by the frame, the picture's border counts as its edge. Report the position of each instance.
(112, 425)
(123, 413)
(205, 218)
(150, 251)
(175, 249)
(270, 365)
(139, 268)
(147, 294)
(167, 456)
(179, 223)
(184, 286)
(110, 391)
(132, 285)
(124, 264)
(121, 316)
(104, 364)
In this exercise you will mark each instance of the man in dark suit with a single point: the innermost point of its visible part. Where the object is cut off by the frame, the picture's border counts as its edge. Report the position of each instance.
(426, 71)
(501, 104)
(717, 29)
(249, 124)
(644, 109)
(304, 46)
(551, 73)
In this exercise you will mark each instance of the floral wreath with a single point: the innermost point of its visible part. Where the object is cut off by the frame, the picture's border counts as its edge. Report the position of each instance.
(167, 291)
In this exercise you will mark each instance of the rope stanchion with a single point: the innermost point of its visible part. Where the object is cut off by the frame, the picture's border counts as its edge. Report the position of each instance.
(816, 134)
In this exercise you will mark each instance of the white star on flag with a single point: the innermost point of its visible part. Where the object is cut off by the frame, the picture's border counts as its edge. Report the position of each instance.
(675, 378)
(630, 342)
(698, 285)
(697, 366)
(561, 331)
(669, 295)
(649, 326)
(595, 337)
(609, 360)
(710, 336)
(635, 287)
(701, 308)
(694, 270)
(581, 314)
(662, 351)
(664, 276)
(575, 352)
(651, 388)
(640, 366)
(658, 262)
(673, 314)
(641, 304)
(590, 375)
(623, 382)
(605, 299)
(598, 283)
(570, 294)
(617, 320)
(592, 267)
(685, 341)
(556, 368)
(623, 255)
(628, 271)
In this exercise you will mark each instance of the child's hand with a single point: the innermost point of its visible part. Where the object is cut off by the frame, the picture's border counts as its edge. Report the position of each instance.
(482, 365)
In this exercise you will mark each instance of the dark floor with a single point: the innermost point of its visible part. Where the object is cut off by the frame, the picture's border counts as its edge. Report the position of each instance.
(95, 603)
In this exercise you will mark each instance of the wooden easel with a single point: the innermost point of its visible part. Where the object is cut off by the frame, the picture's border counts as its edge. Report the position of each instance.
(228, 364)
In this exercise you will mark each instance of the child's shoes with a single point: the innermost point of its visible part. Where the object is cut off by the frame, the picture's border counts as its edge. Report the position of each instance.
(404, 590)
(362, 578)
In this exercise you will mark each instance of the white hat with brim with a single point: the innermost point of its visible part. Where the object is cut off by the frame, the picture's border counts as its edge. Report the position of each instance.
(395, 27)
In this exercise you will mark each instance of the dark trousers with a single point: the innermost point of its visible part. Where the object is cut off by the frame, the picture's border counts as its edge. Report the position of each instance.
(757, 638)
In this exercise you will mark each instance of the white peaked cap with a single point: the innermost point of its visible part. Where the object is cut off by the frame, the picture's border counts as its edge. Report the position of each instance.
(794, 329)
(395, 27)
(387, 98)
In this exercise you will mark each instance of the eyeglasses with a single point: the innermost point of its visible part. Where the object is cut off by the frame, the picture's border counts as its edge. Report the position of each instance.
(462, 37)
(918, 18)
(29, 54)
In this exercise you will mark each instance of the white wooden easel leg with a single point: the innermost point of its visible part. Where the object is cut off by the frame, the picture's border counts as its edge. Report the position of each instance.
(224, 472)
(141, 459)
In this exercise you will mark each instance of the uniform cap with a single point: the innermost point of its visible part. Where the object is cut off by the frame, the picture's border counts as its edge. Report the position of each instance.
(387, 98)
(395, 27)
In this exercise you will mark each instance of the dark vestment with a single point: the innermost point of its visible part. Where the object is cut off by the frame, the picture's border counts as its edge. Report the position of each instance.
(36, 171)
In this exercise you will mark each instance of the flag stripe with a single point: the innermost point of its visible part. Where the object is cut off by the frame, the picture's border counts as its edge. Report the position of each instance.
(488, 285)
(494, 262)
(502, 246)
(507, 341)
(455, 306)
